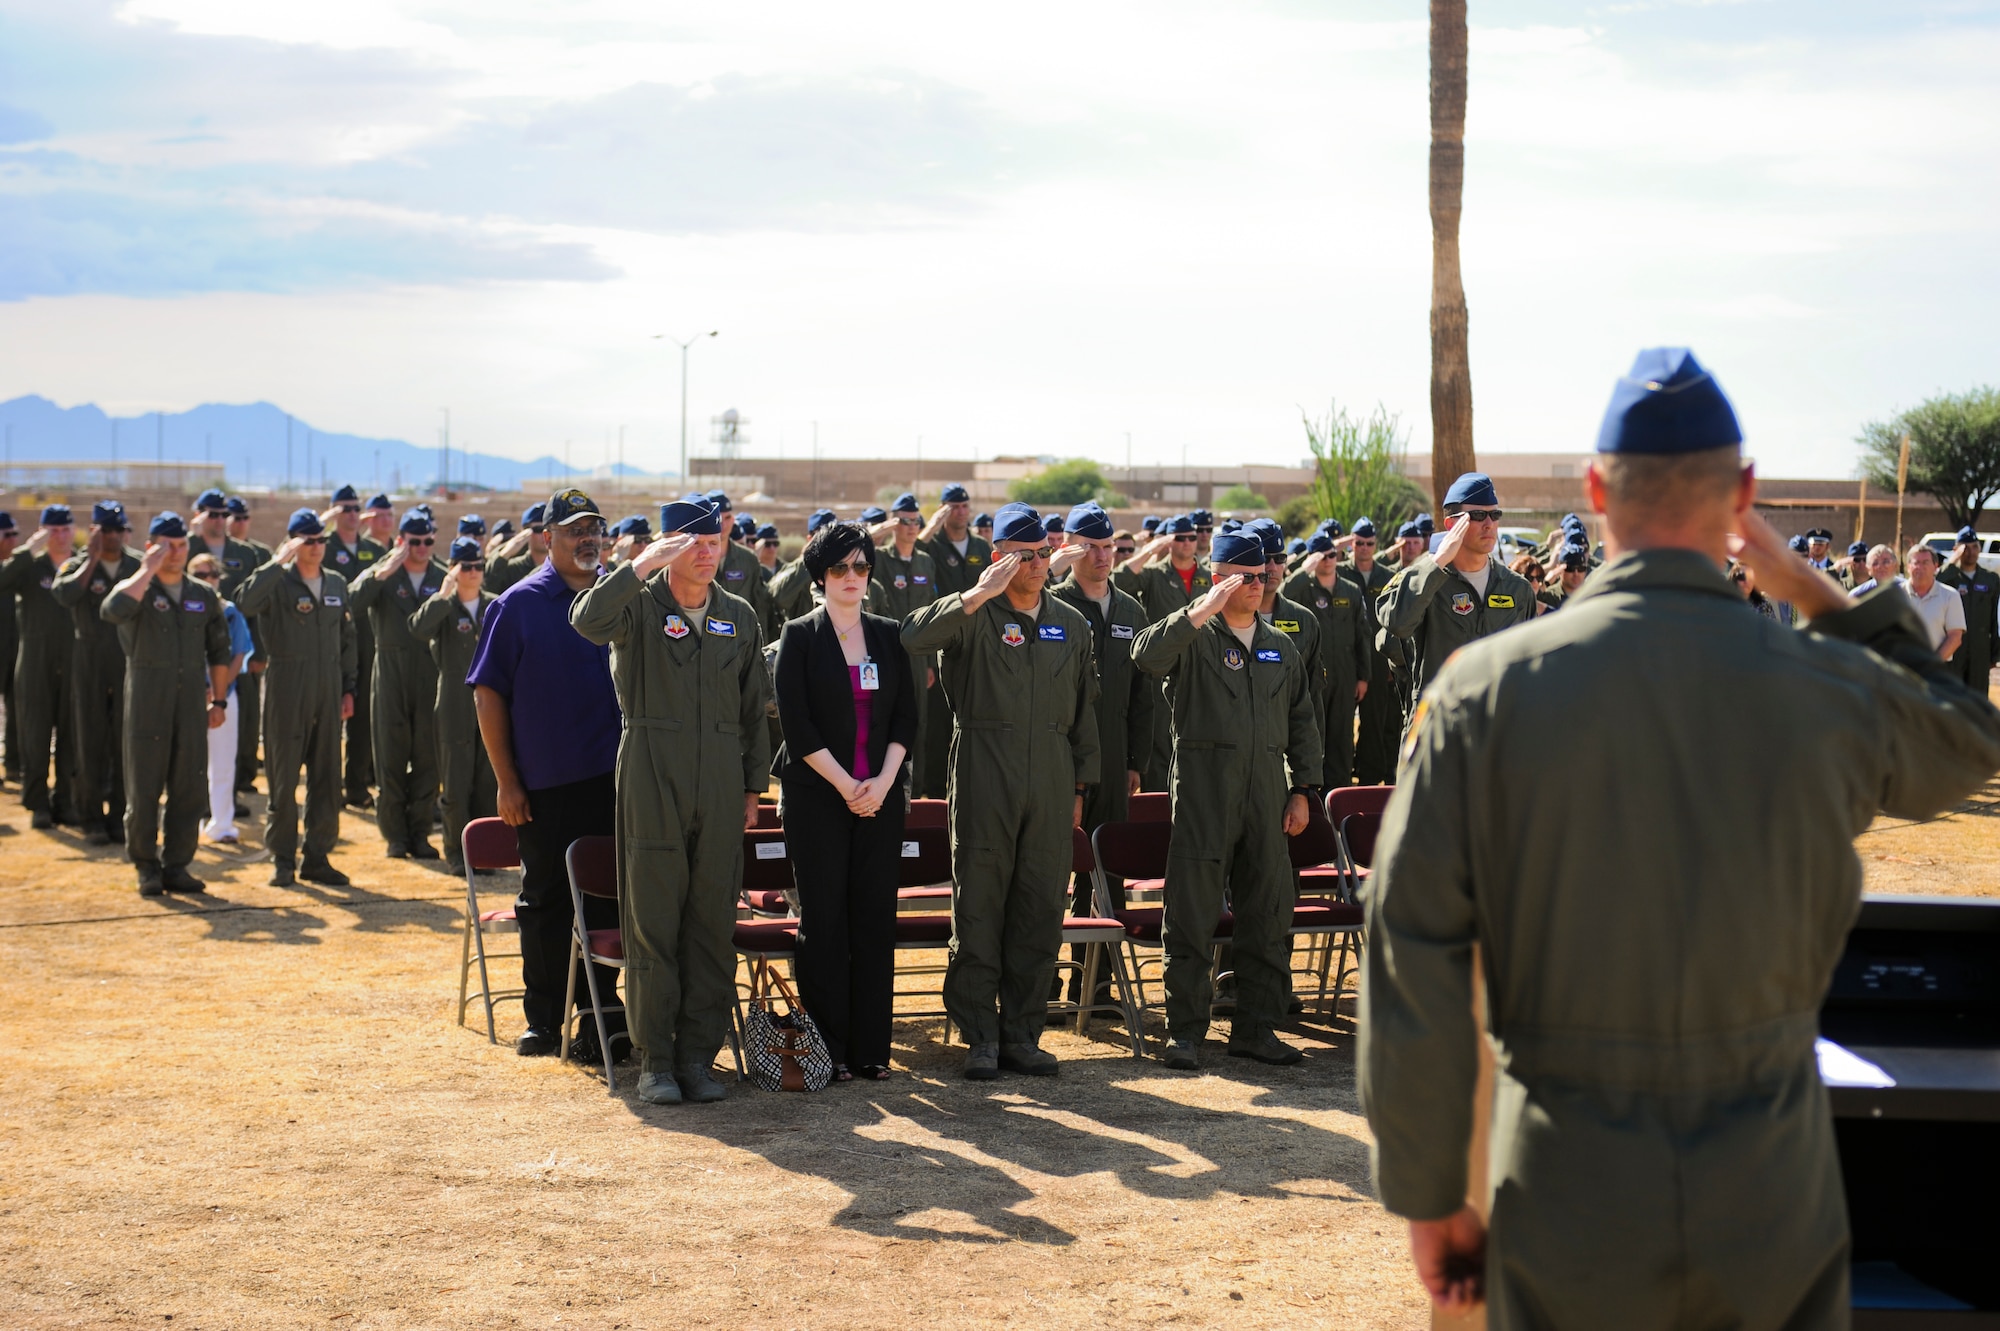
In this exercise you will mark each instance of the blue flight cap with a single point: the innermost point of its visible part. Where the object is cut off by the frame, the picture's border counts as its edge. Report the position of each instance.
(1202, 518)
(1409, 529)
(955, 494)
(1231, 524)
(1320, 543)
(109, 515)
(346, 495)
(1797, 543)
(211, 501)
(617, 529)
(1332, 527)
(1667, 403)
(1178, 525)
(1018, 522)
(472, 525)
(873, 514)
(983, 520)
(167, 526)
(1298, 547)
(1475, 487)
(464, 550)
(692, 519)
(1425, 527)
(1571, 522)
(532, 515)
(304, 522)
(379, 504)
(638, 525)
(1053, 524)
(1270, 533)
(237, 507)
(1364, 526)
(1149, 524)
(719, 501)
(819, 518)
(7, 521)
(767, 532)
(1239, 547)
(417, 522)
(57, 515)
(1967, 534)
(1859, 550)
(1090, 521)
(502, 529)
(906, 503)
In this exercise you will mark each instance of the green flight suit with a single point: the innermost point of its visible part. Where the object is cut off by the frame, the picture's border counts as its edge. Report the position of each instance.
(792, 593)
(1126, 698)
(42, 682)
(313, 659)
(897, 588)
(1245, 731)
(505, 572)
(1980, 593)
(1159, 588)
(1435, 611)
(96, 690)
(10, 645)
(170, 642)
(358, 772)
(1379, 724)
(465, 773)
(693, 693)
(742, 576)
(239, 559)
(404, 705)
(1656, 944)
(1347, 640)
(1022, 692)
(955, 573)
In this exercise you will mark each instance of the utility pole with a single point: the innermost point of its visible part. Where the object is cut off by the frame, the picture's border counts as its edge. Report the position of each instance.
(621, 466)
(920, 468)
(658, 337)
(160, 437)
(288, 450)
(1128, 459)
(309, 457)
(815, 493)
(444, 453)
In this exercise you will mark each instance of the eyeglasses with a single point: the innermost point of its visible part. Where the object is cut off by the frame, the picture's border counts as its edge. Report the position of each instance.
(578, 530)
(1259, 578)
(1032, 555)
(1481, 514)
(1179, 539)
(1125, 551)
(312, 540)
(419, 540)
(855, 567)
(476, 565)
(909, 522)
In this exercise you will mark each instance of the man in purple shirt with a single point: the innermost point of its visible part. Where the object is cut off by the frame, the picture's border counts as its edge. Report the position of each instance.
(550, 720)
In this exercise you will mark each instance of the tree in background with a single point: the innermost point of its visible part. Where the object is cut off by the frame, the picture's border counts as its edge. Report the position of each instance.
(1954, 451)
(1451, 367)
(1241, 496)
(1066, 484)
(1358, 468)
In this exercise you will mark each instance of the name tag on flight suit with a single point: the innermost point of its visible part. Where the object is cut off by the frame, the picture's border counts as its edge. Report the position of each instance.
(722, 628)
(1499, 602)
(1121, 630)
(333, 600)
(1340, 601)
(1269, 654)
(1053, 633)
(733, 574)
(194, 607)
(920, 579)
(1283, 626)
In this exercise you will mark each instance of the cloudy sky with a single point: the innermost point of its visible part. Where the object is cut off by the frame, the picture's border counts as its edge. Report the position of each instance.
(1026, 228)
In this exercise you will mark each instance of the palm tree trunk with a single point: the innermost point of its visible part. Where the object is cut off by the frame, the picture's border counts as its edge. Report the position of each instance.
(1451, 369)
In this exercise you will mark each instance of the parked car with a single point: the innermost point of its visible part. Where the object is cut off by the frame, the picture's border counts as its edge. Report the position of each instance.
(1516, 541)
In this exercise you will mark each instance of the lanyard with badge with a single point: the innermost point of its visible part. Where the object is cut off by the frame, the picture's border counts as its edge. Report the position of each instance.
(871, 674)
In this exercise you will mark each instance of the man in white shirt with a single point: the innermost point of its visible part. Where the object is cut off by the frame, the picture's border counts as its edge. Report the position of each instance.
(1941, 607)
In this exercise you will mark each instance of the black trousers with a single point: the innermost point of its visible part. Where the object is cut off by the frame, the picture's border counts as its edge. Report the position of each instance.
(845, 868)
(559, 815)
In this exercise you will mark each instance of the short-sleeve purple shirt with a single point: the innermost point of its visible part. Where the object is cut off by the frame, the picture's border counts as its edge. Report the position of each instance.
(557, 683)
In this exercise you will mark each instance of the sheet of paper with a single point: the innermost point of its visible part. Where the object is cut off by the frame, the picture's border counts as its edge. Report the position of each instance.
(1839, 1066)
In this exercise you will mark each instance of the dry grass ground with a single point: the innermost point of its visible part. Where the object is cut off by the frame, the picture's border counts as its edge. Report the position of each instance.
(254, 1109)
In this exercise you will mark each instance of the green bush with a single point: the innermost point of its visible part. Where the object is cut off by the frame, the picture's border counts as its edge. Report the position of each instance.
(1241, 496)
(1065, 484)
(1298, 515)
(1358, 468)
(1954, 452)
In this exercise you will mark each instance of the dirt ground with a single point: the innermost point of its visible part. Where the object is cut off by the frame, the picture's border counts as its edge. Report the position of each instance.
(255, 1109)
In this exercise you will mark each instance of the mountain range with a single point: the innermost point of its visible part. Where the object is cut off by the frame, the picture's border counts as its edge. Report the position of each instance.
(258, 446)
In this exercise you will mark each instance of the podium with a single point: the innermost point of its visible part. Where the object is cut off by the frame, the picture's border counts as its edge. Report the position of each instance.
(1910, 1054)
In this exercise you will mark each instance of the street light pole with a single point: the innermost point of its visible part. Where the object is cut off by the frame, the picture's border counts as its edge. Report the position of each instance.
(658, 337)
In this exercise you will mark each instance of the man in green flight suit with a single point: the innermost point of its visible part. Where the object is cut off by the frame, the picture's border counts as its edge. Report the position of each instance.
(1657, 943)
(740, 574)
(793, 592)
(1246, 763)
(1125, 696)
(1347, 642)
(1178, 579)
(521, 554)
(904, 580)
(688, 661)
(1441, 601)
(222, 529)
(350, 554)
(449, 622)
(42, 667)
(177, 662)
(960, 556)
(405, 701)
(1979, 588)
(1016, 667)
(1380, 720)
(97, 674)
(308, 692)
(10, 644)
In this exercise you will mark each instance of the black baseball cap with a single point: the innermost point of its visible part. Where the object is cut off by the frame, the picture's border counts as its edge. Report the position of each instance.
(566, 506)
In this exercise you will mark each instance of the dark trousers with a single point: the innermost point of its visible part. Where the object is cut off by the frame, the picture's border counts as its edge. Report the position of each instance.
(97, 692)
(249, 721)
(360, 770)
(845, 868)
(559, 815)
(1381, 725)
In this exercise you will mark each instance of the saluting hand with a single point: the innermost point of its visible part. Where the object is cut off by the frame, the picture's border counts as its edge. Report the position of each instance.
(399, 554)
(94, 547)
(993, 581)
(1781, 574)
(1151, 550)
(326, 518)
(1062, 559)
(155, 556)
(38, 540)
(289, 551)
(663, 551)
(1218, 596)
(1454, 541)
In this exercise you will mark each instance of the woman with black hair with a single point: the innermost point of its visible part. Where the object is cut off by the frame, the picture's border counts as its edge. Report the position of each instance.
(848, 707)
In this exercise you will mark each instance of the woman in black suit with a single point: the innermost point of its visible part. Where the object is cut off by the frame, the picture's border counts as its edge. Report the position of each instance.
(849, 712)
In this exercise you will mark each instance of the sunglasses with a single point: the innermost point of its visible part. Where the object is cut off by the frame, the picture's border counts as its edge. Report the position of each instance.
(578, 530)
(1480, 514)
(349, 508)
(1031, 555)
(909, 522)
(312, 540)
(854, 567)
(476, 565)
(1260, 579)
(419, 540)
(1125, 551)
(1179, 539)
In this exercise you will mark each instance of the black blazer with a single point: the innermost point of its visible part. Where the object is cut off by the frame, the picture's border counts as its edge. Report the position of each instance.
(816, 695)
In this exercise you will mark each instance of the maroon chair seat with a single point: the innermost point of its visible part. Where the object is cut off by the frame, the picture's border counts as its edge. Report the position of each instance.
(767, 936)
(1142, 923)
(1317, 915)
(487, 843)
(1149, 806)
(1089, 929)
(607, 945)
(936, 892)
(767, 901)
(932, 930)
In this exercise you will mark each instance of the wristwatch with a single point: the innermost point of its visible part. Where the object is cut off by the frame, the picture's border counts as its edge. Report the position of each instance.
(223, 703)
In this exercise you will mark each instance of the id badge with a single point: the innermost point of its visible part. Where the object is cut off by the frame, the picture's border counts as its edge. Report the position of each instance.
(871, 675)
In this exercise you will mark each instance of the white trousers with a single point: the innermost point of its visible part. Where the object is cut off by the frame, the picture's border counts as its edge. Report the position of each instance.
(222, 777)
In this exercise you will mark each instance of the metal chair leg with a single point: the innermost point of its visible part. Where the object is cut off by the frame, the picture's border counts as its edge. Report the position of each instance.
(465, 966)
(597, 1014)
(569, 997)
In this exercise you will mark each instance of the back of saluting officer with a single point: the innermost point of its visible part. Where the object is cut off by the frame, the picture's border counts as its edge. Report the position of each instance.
(42, 667)
(1979, 592)
(177, 659)
(404, 704)
(308, 691)
(10, 642)
(350, 554)
(450, 623)
(1658, 942)
(97, 674)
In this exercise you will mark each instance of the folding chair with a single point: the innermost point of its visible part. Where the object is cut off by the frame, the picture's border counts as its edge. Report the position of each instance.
(1355, 814)
(1149, 806)
(927, 813)
(768, 888)
(1098, 935)
(925, 866)
(593, 872)
(1317, 918)
(1137, 851)
(925, 877)
(488, 843)
(767, 814)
